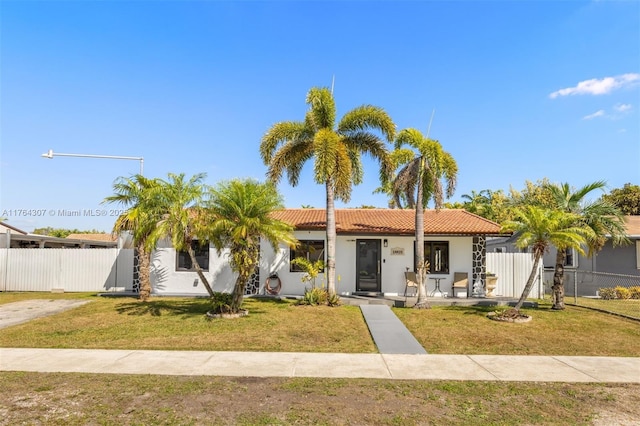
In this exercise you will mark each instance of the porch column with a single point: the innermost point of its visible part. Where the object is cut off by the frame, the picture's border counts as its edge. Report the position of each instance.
(479, 259)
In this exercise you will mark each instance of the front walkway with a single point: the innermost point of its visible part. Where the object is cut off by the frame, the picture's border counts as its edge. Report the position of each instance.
(389, 333)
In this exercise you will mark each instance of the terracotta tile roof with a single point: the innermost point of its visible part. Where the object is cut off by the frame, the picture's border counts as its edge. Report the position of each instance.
(391, 221)
(93, 237)
(632, 225)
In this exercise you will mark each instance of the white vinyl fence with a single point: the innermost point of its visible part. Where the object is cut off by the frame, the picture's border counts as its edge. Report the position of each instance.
(70, 270)
(512, 270)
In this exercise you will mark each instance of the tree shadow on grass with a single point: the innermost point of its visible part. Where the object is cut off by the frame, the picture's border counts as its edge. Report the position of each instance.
(156, 308)
(190, 307)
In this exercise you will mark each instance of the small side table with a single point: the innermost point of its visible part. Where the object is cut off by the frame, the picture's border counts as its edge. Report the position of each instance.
(437, 288)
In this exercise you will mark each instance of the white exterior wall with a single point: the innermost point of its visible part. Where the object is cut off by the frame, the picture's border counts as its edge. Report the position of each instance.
(166, 280)
(392, 267)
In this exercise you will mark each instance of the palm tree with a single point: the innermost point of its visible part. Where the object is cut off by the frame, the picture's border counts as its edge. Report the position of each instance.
(182, 218)
(424, 173)
(336, 151)
(540, 228)
(601, 217)
(242, 211)
(137, 194)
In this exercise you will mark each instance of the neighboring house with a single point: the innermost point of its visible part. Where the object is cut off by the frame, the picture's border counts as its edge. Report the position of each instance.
(15, 238)
(374, 248)
(624, 259)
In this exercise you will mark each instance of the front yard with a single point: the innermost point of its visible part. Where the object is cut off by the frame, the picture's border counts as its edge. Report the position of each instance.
(282, 326)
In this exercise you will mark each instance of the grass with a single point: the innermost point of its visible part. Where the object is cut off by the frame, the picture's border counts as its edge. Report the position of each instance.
(628, 307)
(574, 331)
(281, 326)
(167, 323)
(78, 399)
(180, 324)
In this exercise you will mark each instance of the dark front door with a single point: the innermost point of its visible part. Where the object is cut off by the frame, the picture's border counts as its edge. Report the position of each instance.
(368, 266)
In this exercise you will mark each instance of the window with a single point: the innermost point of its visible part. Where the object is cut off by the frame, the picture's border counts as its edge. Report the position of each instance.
(638, 254)
(570, 259)
(437, 254)
(183, 261)
(500, 249)
(311, 250)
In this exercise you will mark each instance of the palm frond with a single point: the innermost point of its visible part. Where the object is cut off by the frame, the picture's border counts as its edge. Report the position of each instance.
(365, 118)
(322, 108)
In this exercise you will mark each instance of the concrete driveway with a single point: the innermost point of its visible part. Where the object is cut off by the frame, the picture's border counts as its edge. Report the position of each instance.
(19, 312)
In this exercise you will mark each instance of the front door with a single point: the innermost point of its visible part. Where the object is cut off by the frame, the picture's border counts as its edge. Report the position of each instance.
(368, 266)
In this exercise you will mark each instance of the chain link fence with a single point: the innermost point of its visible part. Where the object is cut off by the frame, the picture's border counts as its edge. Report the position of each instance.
(615, 293)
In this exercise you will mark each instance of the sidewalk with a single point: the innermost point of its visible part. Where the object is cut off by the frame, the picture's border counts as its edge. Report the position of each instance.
(331, 365)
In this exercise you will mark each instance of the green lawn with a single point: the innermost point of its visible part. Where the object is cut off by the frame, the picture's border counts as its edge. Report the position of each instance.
(180, 324)
(628, 307)
(282, 326)
(574, 331)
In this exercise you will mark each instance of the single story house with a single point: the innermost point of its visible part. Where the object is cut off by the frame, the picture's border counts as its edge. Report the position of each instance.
(624, 259)
(374, 248)
(11, 237)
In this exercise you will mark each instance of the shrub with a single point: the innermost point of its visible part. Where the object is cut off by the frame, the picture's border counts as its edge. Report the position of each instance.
(315, 296)
(221, 303)
(607, 293)
(635, 292)
(623, 292)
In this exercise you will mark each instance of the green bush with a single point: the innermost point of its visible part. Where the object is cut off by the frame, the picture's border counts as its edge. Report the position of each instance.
(623, 292)
(221, 303)
(607, 293)
(319, 296)
(315, 296)
(635, 292)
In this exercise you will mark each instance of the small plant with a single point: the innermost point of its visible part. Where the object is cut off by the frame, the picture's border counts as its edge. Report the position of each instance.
(635, 292)
(311, 269)
(607, 293)
(315, 296)
(622, 292)
(221, 303)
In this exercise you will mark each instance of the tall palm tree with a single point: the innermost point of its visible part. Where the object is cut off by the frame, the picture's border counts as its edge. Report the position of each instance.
(137, 194)
(541, 228)
(242, 211)
(182, 218)
(601, 217)
(336, 151)
(424, 172)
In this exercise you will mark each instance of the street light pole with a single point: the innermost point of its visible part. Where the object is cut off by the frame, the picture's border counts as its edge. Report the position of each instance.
(50, 154)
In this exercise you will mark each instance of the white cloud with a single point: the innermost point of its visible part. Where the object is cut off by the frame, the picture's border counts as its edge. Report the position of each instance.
(598, 86)
(599, 113)
(622, 107)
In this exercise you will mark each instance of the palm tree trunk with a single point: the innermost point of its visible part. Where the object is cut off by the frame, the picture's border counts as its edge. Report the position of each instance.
(422, 301)
(238, 291)
(249, 263)
(557, 293)
(143, 273)
(194, 262)
(529, 285)
(331, 239)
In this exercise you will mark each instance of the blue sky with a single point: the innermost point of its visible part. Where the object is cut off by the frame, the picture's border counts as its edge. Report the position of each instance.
(521, 91)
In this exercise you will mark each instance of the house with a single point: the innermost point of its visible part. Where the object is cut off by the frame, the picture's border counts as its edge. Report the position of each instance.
(623, 259)
(374, 248)
(12, 237)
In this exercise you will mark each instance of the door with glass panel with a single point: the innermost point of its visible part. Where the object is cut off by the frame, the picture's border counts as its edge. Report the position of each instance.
(368, 266)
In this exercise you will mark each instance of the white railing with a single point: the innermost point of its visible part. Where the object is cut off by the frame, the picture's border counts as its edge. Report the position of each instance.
(70, 270)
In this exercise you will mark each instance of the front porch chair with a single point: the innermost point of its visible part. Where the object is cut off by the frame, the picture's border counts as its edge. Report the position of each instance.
(411, 281)
(460, 282)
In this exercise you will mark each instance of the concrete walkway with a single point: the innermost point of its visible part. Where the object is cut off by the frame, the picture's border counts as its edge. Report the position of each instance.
(389, 333)
(332, 365)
